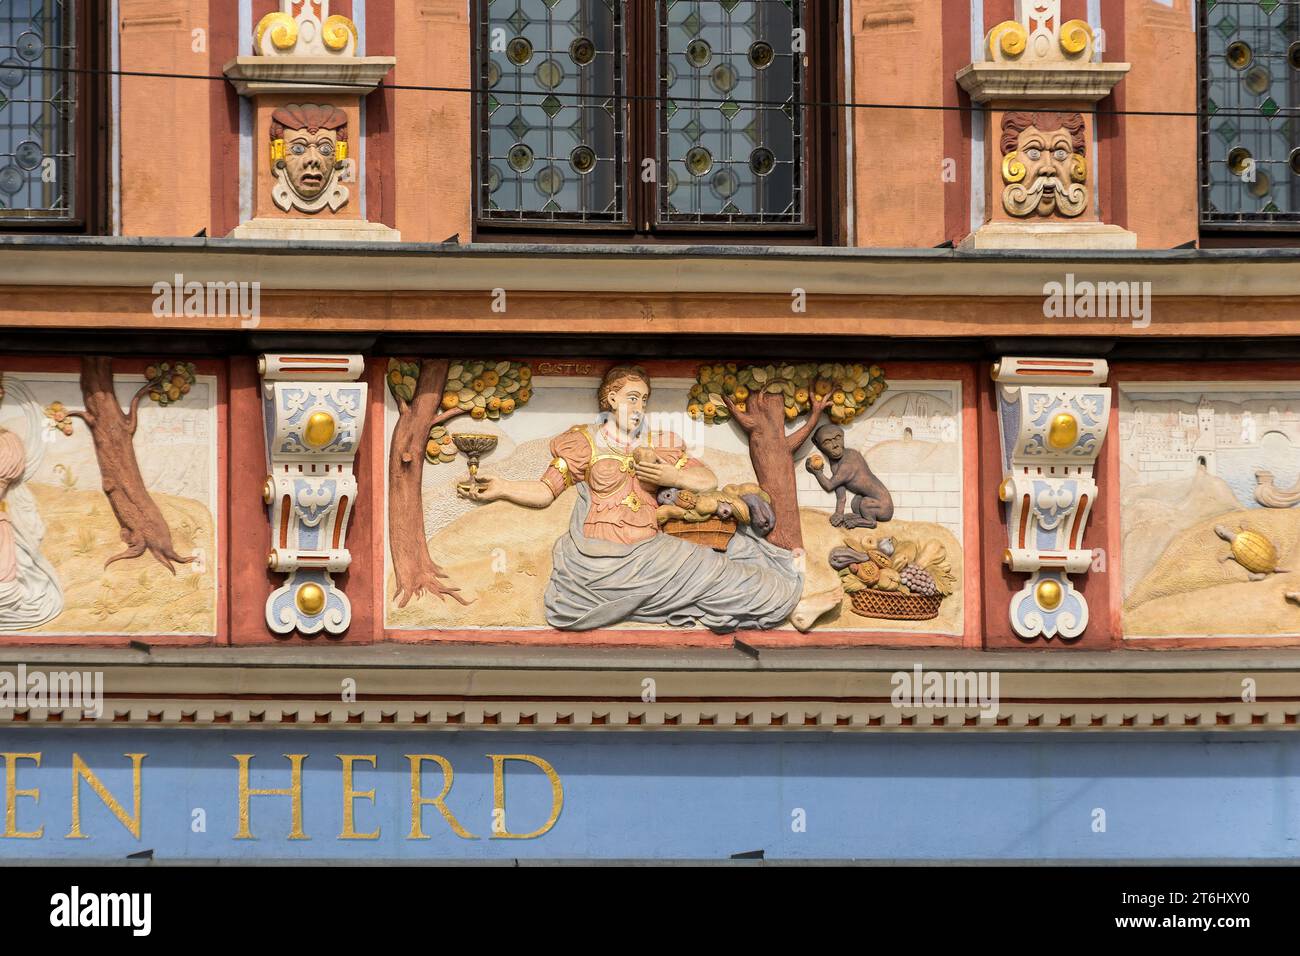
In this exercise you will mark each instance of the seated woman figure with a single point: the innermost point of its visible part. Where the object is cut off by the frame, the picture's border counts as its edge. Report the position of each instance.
(615, 564)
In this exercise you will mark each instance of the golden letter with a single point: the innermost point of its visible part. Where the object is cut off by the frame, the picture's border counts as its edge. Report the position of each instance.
(349, 795)
(294, 791)
(80, 770)
(418, 802)
(12, 793)
(499, 794)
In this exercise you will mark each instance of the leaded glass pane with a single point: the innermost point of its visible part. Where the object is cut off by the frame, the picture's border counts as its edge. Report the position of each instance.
(552, 118)
(1250, 81)
(37, 110)
(730, 113)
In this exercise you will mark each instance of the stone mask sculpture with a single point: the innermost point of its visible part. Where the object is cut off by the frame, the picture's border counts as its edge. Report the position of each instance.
(1043, 164)
(309, 157)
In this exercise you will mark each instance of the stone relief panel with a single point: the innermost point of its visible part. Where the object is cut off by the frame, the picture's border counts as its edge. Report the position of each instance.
(659, 502)
(1209, 480)
(108, 500)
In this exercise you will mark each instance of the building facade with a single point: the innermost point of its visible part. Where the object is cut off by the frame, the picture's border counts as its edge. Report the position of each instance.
(717, 417)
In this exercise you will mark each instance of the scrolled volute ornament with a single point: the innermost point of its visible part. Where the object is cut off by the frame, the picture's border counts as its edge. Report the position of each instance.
(308, 31)
(1007, 40)
(1076, 39)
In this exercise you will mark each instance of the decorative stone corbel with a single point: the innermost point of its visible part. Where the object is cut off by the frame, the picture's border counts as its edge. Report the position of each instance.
(313, 411)
(1052, 415)
(306, 83)
(1039, 80)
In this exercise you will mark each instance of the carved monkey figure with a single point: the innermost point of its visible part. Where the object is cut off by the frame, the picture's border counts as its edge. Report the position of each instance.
(849, 473)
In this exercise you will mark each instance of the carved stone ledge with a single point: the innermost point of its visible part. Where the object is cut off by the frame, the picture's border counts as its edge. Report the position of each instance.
(1080, 236)
(1078, 82)
(311, 230)
(301, 75)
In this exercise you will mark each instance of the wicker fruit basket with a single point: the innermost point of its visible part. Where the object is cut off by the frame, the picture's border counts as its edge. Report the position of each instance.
(896, 606)
(715, 533)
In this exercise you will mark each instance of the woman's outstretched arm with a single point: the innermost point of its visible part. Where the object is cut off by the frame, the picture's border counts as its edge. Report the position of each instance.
(530, 494)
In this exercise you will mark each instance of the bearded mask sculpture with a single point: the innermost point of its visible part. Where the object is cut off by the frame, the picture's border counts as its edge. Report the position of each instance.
(308, 156)
(1043, 164)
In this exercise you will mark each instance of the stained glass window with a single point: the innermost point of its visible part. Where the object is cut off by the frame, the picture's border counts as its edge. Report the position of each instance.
(37, 111)
(1250, 132)
(730, 117)
(644, 116)
(552, 120)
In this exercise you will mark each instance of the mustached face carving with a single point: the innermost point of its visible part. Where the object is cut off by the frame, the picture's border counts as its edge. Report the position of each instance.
(1043, 164)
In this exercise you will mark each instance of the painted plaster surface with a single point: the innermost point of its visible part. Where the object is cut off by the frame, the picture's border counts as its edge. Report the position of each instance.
(696, 796)
(1196, 460)
(64, 531)
(500, 555)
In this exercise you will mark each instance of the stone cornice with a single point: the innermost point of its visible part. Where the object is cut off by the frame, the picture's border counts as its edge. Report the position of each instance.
(460, 688)
(1078, 82)
(683, 270)
(254, 75)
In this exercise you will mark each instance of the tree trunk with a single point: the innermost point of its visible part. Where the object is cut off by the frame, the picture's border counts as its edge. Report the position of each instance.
(112, 431)
(773, 463)
(415, 572)
(771, 452)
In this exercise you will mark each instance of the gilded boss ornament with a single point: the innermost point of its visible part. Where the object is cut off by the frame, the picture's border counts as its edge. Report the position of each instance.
(1063, 432)
(1048, 594)
(319, 430)
(310, 599)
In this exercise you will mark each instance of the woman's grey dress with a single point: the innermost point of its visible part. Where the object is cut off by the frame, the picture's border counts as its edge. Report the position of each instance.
(665, 580)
